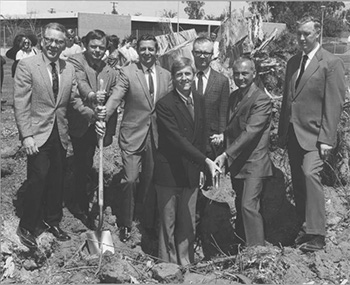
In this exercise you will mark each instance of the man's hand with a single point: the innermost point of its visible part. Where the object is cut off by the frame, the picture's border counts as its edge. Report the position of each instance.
(100, 113)
(220, 160)
(325, 150)
(30, 146)
(217, 139)
(100, 128)
(213, 168)
(100, 97)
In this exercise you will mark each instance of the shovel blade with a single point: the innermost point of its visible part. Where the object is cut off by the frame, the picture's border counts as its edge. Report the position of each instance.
(99, 242)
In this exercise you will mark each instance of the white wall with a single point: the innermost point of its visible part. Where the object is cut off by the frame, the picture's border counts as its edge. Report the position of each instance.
(8, 8)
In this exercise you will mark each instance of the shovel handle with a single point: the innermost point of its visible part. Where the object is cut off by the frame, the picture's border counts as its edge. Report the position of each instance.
(100, 168)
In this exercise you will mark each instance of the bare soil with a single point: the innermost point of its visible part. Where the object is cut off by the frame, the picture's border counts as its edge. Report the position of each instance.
(70, 262)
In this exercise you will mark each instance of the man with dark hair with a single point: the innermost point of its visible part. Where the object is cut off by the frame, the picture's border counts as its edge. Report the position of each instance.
(90, 69)
(179, 159)
(71, 47)
(141, 85)
(44, 86)
(313, 99)
(246, 154)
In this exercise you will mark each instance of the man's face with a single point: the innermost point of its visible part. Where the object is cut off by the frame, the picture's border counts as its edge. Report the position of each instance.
(202, 53)
(307, 36)
(243, 74)
(147, 52)
(183, 79)
(53, 44)
(96, 49)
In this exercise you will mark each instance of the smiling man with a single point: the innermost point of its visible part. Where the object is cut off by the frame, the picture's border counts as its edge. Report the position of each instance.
(44, 86)
(90, 69)
(246, 154)
(313, 99)
(141, 85)
(180, 157)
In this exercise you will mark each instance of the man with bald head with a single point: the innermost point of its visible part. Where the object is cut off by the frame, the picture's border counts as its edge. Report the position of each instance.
(246, 154)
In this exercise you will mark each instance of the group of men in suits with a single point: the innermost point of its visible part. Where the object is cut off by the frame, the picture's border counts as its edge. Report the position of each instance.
(174, 125)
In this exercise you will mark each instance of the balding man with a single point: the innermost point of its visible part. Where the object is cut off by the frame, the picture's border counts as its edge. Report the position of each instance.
(246, 154)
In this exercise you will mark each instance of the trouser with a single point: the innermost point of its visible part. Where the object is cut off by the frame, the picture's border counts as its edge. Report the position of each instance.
(249, 224)
(307, 187)
(84, 150)
(138, 165)
(177, 207)
(44, 194)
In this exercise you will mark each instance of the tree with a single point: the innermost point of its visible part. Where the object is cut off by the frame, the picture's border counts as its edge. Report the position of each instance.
(169, 14)
(194, 9)
(289, 12)
(222, 16)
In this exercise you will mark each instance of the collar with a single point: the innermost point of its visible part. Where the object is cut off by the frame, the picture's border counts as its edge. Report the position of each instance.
(183, 97)
(312, 53)
(48, 62)
(206, 72)
(153, 68)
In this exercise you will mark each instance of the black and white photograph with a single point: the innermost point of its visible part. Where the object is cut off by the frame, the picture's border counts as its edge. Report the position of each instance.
(194, 142)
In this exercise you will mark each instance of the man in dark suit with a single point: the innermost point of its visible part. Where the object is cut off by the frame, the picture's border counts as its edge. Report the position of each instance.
(215, 88)
(141, 85)
(179, 159)
(313, 99)
(44, 86)
(90, 69)
(247, 143)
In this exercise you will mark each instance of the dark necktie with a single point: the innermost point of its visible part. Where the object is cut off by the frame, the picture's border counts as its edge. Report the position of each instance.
(54, 80)
(190, 106)
(200, 82)
(302, 69)
(150, 83)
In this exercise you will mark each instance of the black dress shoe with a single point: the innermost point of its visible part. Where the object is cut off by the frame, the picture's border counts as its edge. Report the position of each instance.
(314, 244)
(40, 228)
(124, 234)
(59, 233)
(303, 238)
(26, 238)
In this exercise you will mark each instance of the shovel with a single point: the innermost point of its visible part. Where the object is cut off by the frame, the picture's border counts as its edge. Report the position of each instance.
(100, 241)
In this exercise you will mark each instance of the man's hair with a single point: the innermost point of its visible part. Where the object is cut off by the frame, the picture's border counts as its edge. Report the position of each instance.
(307, 18)
(55, 26)
(201, 40)
(180, 63)
(94, 35)
(146, 37)
(70, 33)
(114, 40)
(245, 59)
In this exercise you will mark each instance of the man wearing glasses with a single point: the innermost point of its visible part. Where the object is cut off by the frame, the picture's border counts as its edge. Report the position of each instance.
(71, 47)
(44, 86)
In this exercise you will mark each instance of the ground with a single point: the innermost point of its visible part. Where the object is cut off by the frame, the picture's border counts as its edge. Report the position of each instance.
(217, 259)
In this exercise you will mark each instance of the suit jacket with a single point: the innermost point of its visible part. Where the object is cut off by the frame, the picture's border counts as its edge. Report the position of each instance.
(139, 110)
(216, 97)
(180, 155)
(35, 107)
(247, 134)
(315, 106)
(88, 81)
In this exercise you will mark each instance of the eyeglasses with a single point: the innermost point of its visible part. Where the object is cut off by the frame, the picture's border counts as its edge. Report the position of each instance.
(51, 41)
(200, 53)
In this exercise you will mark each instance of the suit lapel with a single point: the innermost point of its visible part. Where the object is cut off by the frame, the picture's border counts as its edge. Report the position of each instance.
(46, 78)
(210, 83)
(62, 80)
(141, 77)
(183, 109)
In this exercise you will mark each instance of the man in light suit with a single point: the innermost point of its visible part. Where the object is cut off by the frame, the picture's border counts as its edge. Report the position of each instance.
(141, 85)
(179, 159)
(313, 99)
(44, 86)
(90, 69)
(247, 138)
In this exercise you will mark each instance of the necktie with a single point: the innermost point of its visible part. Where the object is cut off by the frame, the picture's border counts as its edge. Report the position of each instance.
(54, 80)
(190, 106)
(150, 83)
(200, 82)
(302, 69)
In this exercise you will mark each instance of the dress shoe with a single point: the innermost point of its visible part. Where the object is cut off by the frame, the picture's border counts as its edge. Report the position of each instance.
(26, 238)
(40, 228)
(124, 234)
(59, 233)
(303, 237)
(314, 244)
